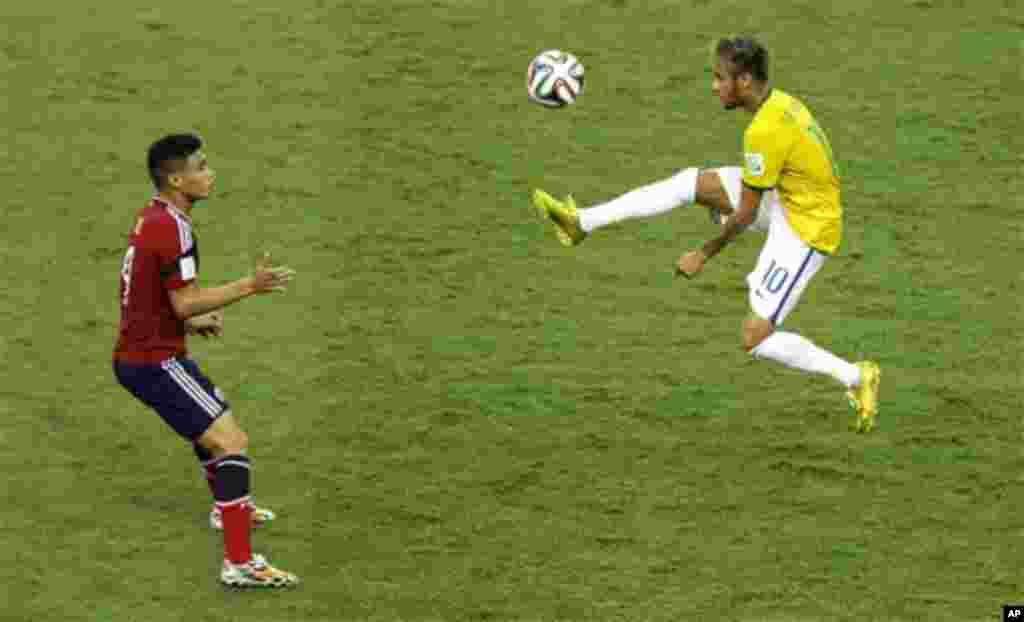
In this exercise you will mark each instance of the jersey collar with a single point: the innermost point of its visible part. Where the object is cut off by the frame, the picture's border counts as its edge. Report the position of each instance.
(171, 207)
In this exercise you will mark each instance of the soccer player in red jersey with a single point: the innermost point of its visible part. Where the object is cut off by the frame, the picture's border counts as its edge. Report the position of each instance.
(161, 302)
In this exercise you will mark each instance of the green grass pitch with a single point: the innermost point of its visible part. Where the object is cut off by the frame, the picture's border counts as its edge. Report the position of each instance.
(458, 419)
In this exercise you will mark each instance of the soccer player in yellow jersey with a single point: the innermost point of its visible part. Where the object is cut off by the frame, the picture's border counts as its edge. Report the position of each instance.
(789, 185)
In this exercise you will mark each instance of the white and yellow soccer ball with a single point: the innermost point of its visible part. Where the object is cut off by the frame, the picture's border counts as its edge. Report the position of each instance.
(554, 79)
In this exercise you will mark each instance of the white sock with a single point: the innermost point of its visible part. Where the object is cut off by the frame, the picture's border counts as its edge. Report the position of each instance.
(795, 351)
(643, 202)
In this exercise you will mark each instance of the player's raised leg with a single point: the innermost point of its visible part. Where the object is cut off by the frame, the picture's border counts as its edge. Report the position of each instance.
(226, 441)
(712, 193)
(644, 202)
(572, 225)
(719, 190)
(716, 189)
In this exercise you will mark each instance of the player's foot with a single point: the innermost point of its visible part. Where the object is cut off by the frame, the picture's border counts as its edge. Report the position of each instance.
(564, 216)
(260, 517)
(256, 573)
(864, 397)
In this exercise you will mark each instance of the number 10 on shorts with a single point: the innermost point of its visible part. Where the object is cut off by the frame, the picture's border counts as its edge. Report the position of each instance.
(775, 278)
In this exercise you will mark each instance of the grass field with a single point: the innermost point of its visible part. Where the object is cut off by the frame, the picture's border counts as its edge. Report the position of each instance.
(456, 418)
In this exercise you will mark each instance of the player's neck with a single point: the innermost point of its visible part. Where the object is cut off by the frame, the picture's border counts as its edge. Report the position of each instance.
(757, 98)
(179, 200)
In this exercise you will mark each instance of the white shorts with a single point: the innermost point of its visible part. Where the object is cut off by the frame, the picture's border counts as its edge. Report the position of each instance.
(732, 181)
(784, 268)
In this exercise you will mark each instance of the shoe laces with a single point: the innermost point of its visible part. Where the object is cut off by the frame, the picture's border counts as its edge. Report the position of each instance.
(258, 563)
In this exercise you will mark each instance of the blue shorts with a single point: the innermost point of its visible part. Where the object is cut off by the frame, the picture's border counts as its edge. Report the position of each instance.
(177, 391)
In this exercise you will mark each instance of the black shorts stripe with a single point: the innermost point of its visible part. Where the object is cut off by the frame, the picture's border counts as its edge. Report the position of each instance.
(792, 284)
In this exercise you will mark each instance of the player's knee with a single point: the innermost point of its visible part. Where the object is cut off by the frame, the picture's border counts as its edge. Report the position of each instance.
(755, 330)
(711, 192)
(749, 341)
(223, 442)
(228, 446)
(238, 443)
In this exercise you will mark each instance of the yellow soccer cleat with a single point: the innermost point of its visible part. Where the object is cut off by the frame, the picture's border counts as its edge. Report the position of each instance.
(864, 397)
(564, 216)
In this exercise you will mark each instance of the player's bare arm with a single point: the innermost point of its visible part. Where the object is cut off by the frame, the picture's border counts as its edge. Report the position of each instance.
(191, 300)
(691, 263)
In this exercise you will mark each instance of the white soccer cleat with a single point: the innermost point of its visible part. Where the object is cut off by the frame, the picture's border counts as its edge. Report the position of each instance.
(260, 517)
(256, 573)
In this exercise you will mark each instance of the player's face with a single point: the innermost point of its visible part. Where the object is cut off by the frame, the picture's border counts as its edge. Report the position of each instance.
(196, 180)
(725, 85)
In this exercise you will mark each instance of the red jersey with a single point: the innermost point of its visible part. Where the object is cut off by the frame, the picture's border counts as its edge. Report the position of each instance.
(162, 256)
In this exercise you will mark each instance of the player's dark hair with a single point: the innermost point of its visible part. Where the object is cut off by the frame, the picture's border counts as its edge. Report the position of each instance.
(745, 55)
(166, 156)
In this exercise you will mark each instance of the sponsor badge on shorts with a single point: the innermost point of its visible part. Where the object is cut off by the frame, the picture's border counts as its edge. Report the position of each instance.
(755, 164)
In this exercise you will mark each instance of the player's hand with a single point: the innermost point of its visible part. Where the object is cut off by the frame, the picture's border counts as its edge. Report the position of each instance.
(207, 325)
(690, 264)
(268, 278)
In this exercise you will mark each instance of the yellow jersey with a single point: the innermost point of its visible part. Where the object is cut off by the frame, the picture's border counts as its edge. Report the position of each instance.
(785, 148)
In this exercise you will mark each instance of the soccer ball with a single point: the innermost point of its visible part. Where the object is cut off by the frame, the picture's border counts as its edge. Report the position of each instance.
(554, 79)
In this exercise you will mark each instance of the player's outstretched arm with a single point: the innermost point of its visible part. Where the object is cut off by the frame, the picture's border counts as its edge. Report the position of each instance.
(191, 300)
(691, 263)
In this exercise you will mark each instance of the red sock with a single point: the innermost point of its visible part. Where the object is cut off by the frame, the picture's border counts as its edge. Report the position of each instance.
(237, 517)
(232, 497)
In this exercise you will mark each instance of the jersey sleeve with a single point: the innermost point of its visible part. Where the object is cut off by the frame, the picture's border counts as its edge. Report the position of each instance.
(764, 155)
(175, 254)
